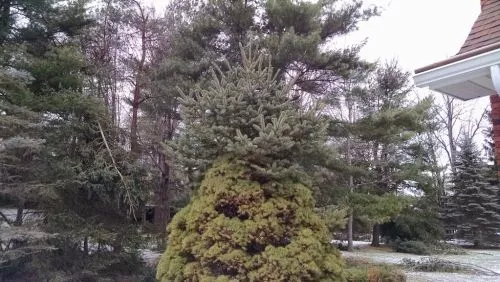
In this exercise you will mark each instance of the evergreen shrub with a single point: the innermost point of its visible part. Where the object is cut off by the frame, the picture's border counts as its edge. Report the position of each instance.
(238, 228)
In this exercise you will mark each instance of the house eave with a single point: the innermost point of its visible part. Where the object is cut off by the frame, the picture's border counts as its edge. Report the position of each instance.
(465, 79)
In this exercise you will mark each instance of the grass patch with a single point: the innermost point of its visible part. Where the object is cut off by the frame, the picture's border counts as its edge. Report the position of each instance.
(360, 270)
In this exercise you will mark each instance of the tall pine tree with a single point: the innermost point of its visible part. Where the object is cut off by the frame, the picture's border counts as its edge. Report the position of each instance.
(294, 33)
(472, 208)
(389, 125)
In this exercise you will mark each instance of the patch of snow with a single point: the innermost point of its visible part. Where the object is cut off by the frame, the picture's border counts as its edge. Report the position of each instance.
(150, 257)
(489, 259)
(446, 277)
(29, 216)
(354, 243)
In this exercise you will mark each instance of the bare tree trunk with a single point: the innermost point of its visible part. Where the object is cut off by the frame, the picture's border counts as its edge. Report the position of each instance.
(138, 82)
(436, 175)
(376, 235)
(349, 230)
(351, 179)
(134, 144)
(86, 245)
(20, 213)
(162, 203)
(478, 241)
(114, 85)
(376, 227)
(5, 7)
(449, 128)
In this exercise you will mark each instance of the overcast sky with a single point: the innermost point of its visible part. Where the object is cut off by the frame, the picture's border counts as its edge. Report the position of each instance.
(417, 33)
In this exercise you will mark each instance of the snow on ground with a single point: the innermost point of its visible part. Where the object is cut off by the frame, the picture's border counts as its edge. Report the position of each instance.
(150, 257)
(354, 243)
(489, 259)
(29, 216)
(447, 277)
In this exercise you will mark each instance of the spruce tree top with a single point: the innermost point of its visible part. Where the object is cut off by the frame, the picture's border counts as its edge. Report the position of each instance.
(245, 113)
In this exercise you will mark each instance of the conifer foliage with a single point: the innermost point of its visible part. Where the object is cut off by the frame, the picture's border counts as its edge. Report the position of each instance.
(472, 208)
(249, 220)
(246, 113)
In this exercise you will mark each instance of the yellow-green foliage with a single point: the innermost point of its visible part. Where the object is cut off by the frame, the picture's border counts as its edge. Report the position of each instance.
(237, 229)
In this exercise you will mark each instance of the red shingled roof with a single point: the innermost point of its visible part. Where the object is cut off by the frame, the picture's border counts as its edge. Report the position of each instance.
(486, 29)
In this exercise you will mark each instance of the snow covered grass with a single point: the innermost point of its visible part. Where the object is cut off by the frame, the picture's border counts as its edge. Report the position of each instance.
(356, 244)
(488, 259)
(29, 216)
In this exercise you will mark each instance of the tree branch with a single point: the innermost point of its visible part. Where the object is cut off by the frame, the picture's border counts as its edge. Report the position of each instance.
(5, 218)
(127, 189)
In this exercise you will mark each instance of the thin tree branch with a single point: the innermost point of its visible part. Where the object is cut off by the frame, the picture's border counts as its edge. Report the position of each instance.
(127, 189)
(5, 218)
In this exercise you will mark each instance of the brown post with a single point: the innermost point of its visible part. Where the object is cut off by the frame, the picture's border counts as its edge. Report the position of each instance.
(495, 120)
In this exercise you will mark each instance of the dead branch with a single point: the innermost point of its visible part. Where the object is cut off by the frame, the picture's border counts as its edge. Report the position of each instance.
(128, 195)
(5, 218)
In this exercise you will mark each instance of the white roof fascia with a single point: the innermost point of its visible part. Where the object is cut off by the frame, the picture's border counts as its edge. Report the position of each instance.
(459, 71)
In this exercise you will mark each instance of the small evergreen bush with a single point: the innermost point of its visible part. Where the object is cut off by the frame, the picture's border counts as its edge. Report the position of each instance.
(411, 247)
(239, 229)
(413, 226)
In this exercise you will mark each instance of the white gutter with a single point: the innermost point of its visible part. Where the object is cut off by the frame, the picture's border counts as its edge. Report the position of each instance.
(463, 70)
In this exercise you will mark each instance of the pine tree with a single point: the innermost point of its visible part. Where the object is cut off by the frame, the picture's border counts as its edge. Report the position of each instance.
(21, 147)
(472, 208)
(251, 218)
(55, 152)
(293, 32)
(246, 112)
(389, 126)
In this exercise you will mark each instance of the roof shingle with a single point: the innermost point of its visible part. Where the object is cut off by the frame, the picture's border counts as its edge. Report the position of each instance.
(486, 29)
